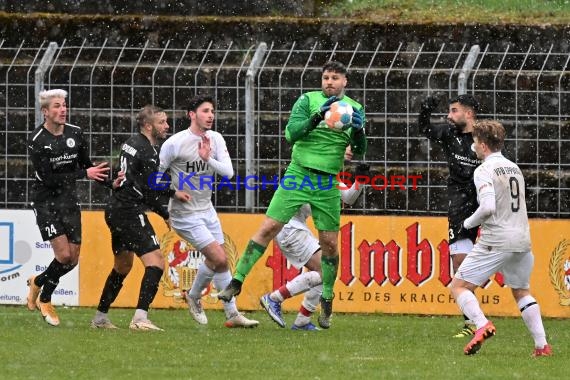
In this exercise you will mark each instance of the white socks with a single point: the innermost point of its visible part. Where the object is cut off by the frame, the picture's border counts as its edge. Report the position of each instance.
(221, 281)
(530, 312)
(140, 315)
(469, 305)
(300, 284)
(204, 276)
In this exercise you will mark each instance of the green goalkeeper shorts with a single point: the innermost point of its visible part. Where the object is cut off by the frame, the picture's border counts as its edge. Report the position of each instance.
(298, 186)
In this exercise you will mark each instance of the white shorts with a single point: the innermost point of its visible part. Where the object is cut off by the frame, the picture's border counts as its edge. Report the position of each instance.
(199, 228)
(481, 263)
(297, 244)
(461, 246)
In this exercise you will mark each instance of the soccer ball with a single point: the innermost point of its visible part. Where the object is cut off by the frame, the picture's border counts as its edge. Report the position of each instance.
(339, 116)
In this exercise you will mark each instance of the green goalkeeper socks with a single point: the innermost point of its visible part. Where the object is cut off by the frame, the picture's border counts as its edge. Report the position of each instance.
(329, 267)
(252, 253)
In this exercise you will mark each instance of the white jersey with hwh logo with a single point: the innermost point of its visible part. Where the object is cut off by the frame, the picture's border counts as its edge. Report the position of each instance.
(188, 172)
(507, 228)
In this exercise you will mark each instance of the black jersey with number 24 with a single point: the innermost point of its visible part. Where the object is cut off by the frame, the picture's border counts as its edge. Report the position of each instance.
(58, 161)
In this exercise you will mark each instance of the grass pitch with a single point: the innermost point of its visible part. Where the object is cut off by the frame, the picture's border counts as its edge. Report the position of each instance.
(358, 346)
(524, 12)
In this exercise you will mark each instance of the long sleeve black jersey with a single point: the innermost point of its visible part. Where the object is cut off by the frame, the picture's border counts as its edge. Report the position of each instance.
(58, 162)
(462, 162)
(139, 160)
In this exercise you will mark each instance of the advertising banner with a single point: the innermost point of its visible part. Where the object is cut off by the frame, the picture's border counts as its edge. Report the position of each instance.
(388, 264)
(23, 253)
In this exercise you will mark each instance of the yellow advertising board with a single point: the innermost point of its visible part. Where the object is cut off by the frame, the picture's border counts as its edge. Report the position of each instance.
(388, 264)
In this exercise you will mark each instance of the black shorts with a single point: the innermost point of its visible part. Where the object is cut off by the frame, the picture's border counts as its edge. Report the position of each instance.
(130, 231)
(454, 226)
(55, 220)
(461, 206)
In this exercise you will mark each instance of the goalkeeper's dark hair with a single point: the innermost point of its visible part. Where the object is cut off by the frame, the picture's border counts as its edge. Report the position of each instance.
(146, 114)
(335, 67)
(197, 100)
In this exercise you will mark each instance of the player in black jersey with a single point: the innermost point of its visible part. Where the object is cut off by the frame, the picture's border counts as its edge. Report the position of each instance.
(131, 231)
(455, 138)
(60, 156)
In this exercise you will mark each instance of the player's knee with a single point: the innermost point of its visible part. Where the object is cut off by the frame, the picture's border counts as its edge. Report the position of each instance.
(159, 265)
(123, 268)
(313, 279)
(153, 259)
(265, 235)
(66, 258)
(267, 232)
(329, 247)
(519, 293)
(216, 258)
(220, 263)
(455, 285)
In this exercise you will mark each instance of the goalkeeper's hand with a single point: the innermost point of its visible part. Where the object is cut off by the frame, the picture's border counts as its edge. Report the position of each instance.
(327, 106)
(319, 116)
(357, 121)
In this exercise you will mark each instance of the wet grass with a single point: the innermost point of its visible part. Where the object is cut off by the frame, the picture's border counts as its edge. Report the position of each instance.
(357, 346)
(526, 12)
(402, 12)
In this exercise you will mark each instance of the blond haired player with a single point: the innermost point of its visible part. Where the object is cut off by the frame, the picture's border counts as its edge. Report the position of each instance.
(504, 245)
(59, 156)
(455, 139)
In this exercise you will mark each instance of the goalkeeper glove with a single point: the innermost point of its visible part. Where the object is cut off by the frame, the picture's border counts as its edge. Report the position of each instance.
(357, 121)
(327, 106)
(319, 116)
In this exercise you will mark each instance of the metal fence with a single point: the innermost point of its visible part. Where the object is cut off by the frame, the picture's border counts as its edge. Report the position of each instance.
(526, 88)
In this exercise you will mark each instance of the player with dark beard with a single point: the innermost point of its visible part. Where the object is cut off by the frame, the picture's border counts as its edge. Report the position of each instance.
(455, 139)
(131, 232)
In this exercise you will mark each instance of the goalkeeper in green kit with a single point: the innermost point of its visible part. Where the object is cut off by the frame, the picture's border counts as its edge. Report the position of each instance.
(311, 178)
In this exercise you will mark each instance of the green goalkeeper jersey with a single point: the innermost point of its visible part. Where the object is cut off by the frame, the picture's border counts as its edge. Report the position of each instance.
(320, 147)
